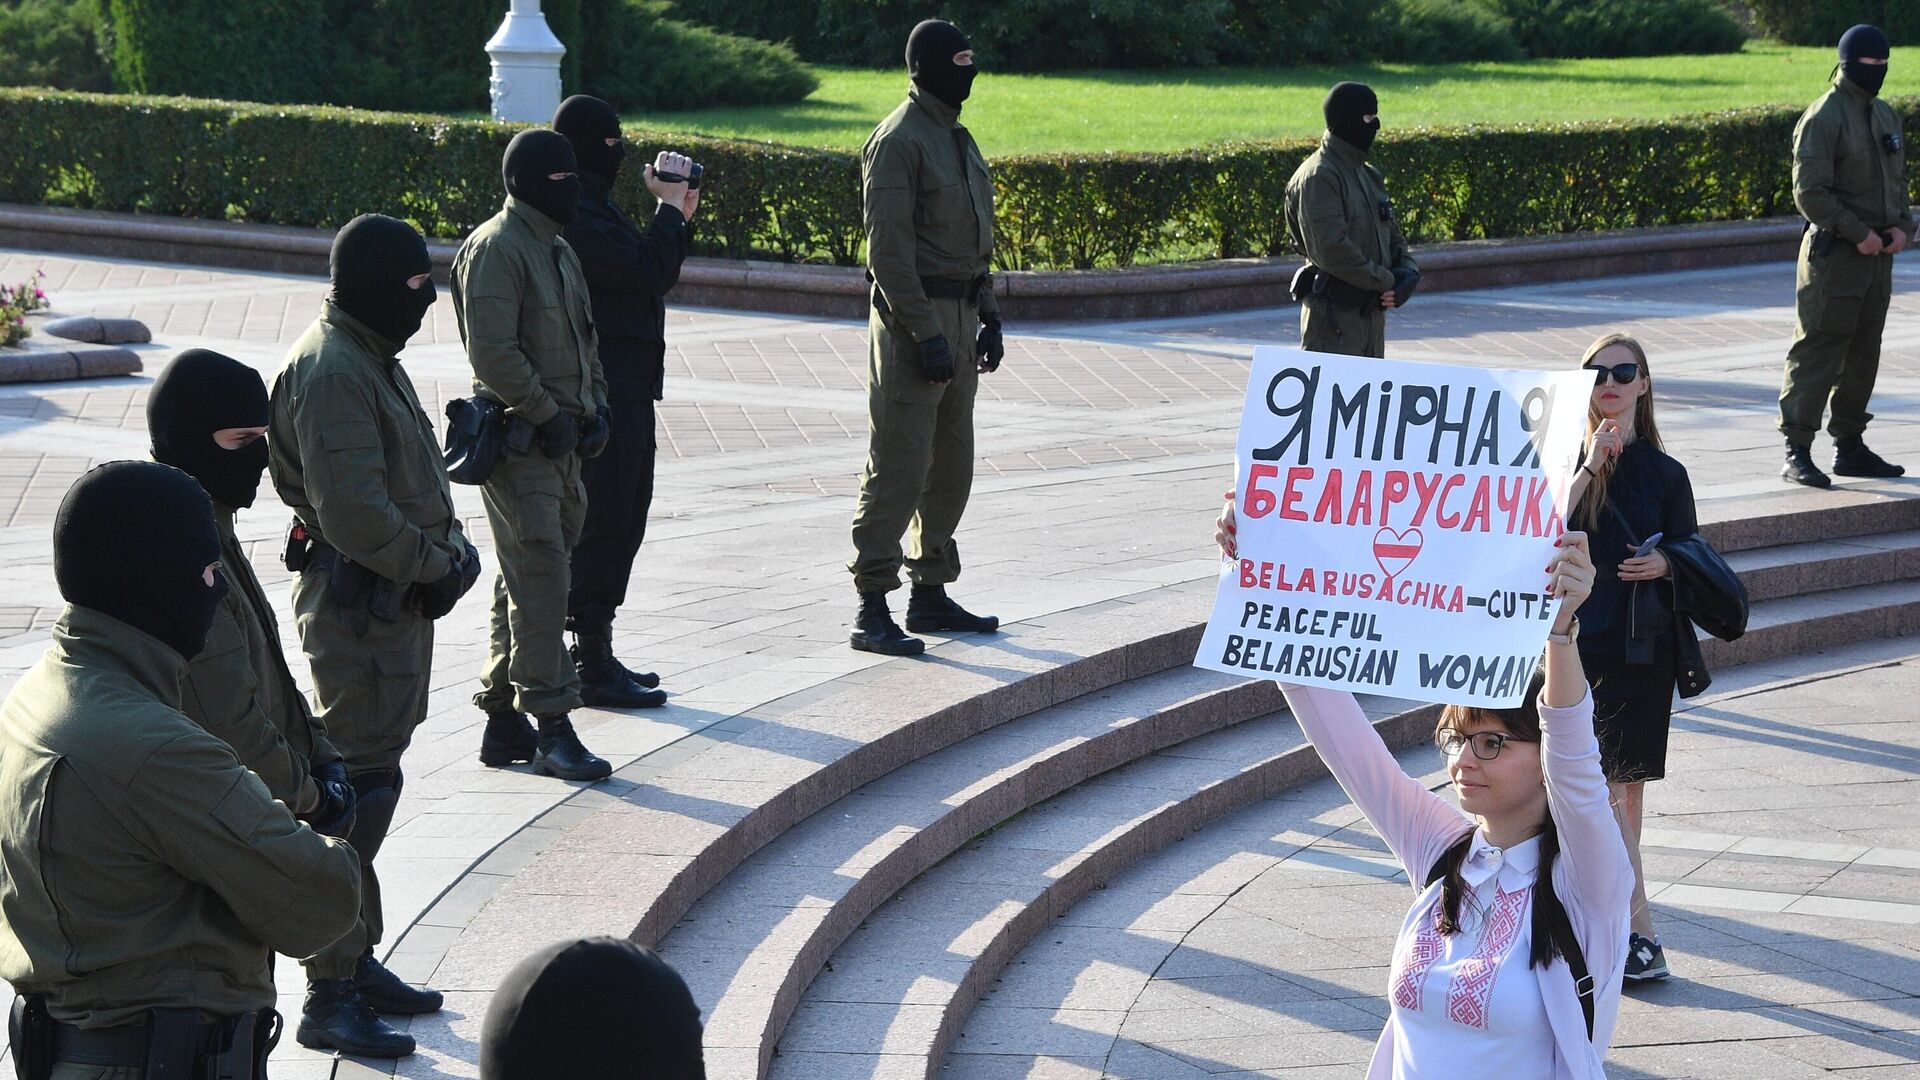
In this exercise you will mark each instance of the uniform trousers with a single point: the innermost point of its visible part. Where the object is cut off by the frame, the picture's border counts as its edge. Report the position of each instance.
(1840, 301)
(919, 470)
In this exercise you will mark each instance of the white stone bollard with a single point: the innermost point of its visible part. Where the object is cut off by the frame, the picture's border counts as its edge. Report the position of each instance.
(526, 66)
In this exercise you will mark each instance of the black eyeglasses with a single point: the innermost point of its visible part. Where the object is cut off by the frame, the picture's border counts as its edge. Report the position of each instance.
(1486, 744)
(1623, 374)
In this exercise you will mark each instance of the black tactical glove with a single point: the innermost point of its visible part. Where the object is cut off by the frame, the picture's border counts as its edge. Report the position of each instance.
(990, 347)
(595, 433)
(437, 598)
(936, 359)
(334, 815)
(559, 435)
(1405, 280)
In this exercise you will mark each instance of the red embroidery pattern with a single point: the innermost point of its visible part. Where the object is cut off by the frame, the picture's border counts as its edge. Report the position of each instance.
(1471, 988)
(1412, 976)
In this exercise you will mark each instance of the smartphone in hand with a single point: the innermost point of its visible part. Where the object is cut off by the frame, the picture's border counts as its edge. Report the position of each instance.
(1646, 547)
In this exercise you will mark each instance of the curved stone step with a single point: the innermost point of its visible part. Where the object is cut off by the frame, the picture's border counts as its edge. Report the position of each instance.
(702, 806)
(1785, 570)
(751, 945)
(1796, 515)
(1819, 620)
(900, 989)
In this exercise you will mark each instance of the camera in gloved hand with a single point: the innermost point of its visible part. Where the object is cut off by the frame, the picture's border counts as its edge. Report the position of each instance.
(334, 815)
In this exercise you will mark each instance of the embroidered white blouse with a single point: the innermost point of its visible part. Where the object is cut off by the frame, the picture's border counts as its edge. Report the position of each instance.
(1468, 1005)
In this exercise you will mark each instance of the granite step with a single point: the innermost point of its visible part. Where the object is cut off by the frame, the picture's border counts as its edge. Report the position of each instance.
(1784, 570)
(1796, 515)
(900, 989)
(750, 946)
(1819, 620)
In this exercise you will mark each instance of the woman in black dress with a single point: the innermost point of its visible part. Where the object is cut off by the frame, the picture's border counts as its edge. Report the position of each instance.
(1630, 496)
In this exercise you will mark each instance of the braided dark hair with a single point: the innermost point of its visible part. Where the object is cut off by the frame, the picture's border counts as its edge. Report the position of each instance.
(1552, 929)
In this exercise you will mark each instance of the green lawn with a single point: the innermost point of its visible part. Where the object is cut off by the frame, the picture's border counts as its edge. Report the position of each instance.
(1171, 110)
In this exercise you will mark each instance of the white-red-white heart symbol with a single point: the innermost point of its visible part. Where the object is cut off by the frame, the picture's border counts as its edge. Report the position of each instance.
(1395, 551)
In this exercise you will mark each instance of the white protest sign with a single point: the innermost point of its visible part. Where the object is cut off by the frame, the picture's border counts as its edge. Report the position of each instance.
(1395, 521)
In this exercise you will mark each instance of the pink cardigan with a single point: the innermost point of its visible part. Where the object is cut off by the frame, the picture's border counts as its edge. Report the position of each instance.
(1592, 875)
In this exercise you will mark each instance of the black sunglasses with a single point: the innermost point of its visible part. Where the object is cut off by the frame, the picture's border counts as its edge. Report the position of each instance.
(1624, 374)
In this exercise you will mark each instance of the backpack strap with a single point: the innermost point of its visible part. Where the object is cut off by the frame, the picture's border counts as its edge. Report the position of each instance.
(1560, 927)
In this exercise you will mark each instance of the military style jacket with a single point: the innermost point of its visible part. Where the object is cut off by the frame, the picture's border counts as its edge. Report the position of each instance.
(355, 456)
(928, 203)
(1847, 178)
(144, 865)
(1339, 217)
(240, 688)
(526, 317)
(629, 274)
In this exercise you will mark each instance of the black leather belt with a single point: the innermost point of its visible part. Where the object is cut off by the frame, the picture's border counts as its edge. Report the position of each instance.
(116, 1047)
(952, 288)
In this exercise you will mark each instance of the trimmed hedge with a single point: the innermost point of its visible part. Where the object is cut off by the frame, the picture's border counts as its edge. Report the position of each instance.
(302, 165)
(1821, 22)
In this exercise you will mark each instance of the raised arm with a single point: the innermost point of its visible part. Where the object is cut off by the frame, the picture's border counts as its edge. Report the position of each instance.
(1416, 824)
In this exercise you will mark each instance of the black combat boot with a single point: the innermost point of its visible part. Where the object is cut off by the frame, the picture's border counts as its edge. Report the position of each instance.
(335, 1018)
(875, 631)
(1852, 458)
(604, 681)
(1800, 469)
(562, 755)
(509, 738)
(930, 609)
(583, 638)
(388, 994)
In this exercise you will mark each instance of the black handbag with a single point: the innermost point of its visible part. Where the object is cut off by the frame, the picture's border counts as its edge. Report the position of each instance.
(476, 439)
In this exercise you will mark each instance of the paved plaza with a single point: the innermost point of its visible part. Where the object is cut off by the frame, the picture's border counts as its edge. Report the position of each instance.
(1787, 845)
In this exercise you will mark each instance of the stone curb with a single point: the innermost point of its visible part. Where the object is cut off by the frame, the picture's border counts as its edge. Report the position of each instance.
(678, 855)
(837, 291)
(65, 363)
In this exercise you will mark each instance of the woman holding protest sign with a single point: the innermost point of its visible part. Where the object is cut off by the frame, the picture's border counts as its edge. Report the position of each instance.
(1526, 884)
(1637, 505)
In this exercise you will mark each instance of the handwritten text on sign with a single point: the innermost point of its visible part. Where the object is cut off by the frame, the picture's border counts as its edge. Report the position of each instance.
(1395, 520)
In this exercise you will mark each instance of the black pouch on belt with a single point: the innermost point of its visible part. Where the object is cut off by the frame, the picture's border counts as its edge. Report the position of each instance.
(238, 1053)
(475, 441)
(1304, 280)
(388, 599)
(349, 583)
(173, 1044)
(30, 1030)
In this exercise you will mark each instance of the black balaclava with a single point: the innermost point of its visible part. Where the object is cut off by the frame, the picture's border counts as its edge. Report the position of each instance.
(1864, 40)
(930, 51)
(598, 1007)
(588, 123)
(200, 393)
(534, 155)
(1346, 103)
(371, 261)
(131, 541)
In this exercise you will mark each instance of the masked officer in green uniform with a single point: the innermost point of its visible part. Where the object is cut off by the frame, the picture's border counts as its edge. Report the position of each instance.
(378, 555)
(207, 415)
(1339, 217)
(150, 875)
(523, 307)
(934, 329)
(1850, 181)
